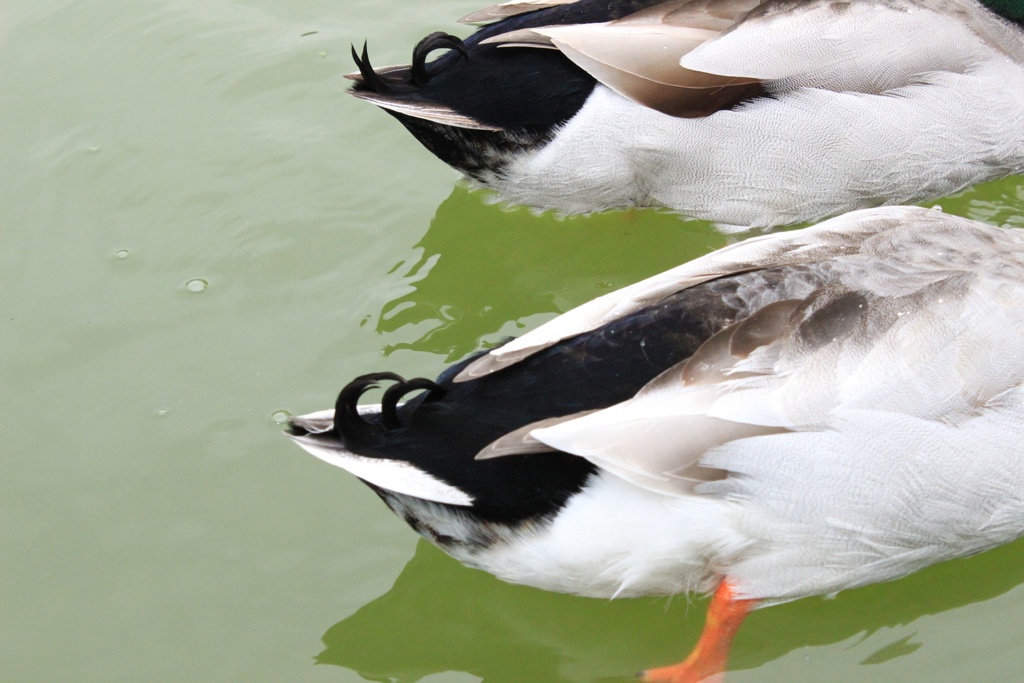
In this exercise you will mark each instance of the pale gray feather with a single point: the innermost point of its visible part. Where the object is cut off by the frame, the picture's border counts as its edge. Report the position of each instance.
(423, 110)
(521, 441)
(510, 9)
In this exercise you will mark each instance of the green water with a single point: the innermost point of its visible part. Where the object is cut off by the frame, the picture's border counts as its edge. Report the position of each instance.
(155, 526)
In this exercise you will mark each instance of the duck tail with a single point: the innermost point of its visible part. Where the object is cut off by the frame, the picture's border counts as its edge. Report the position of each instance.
(407, 79)
(353, 427)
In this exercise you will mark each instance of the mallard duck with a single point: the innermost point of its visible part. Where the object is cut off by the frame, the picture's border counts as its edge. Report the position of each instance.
(793, 415)
(743, 112)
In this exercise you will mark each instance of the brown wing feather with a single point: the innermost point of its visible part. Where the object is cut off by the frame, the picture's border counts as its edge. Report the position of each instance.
(700, 94)
(638, 56)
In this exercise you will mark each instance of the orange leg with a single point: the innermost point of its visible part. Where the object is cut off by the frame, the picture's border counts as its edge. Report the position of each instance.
(708, 659)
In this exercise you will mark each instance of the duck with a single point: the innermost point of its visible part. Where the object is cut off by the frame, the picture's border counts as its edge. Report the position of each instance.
(746, 113)
(793, 415)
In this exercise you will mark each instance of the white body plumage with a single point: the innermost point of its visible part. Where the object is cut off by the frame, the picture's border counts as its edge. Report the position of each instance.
(855, 117)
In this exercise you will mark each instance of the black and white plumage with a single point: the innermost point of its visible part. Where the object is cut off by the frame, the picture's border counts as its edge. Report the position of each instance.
(796, 414)
(744, 112)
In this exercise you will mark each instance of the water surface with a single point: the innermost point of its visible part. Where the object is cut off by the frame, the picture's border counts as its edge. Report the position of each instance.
(198, 229)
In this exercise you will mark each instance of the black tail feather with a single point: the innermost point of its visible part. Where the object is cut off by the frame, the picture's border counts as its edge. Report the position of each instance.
(389, 403)
(435, 41)
(351, 427)
(371, 80)
(348, 423)
(418, 74)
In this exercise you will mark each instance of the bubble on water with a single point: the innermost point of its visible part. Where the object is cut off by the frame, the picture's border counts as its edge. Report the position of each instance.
(94, 149)
(161, 411)
(121, 253)
(197, 285)
(280, 416)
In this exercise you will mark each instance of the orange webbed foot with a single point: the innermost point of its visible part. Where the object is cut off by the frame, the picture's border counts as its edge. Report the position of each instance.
(707, 662)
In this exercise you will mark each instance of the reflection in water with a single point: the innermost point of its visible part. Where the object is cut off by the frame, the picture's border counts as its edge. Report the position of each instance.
(482, 270)
(1000, 202)
(440, 617)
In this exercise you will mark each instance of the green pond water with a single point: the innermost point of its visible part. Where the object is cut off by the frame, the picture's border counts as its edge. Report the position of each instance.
(198, 230)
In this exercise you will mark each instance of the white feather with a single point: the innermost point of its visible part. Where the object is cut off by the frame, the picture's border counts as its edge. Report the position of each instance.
(393, 475)
(845, 48)
(617, 540)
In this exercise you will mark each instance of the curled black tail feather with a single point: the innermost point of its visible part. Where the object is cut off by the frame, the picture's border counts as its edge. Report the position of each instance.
(418, 74)
(348, 423)
(350, 426)
(435, 41)
(389, 403)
